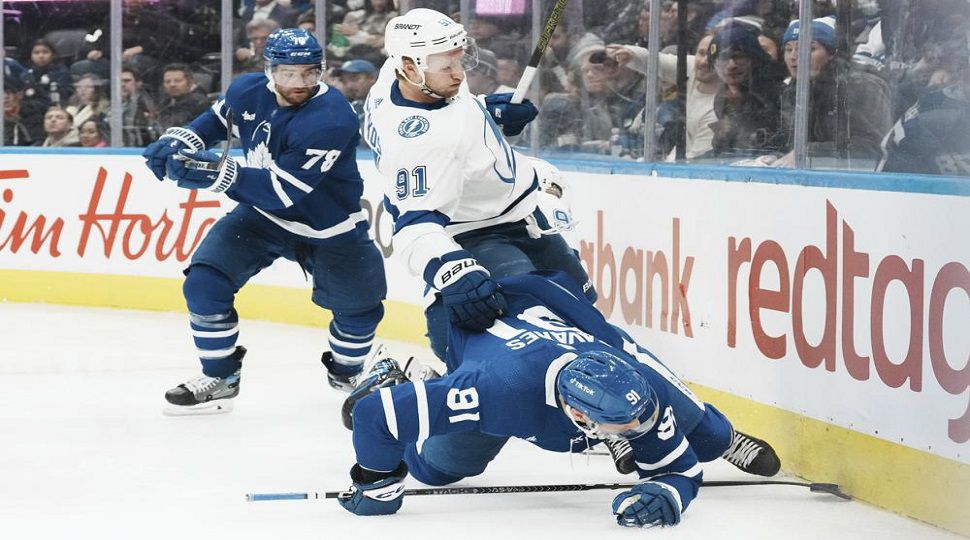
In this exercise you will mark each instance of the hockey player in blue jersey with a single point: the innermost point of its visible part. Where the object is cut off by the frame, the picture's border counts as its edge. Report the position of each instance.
(464, 203)
(554, 372)
(299, 194)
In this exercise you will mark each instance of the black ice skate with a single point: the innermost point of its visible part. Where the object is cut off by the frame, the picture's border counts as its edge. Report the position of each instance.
(622, 454)
(205, 395)
(339, 376)
(752, 455)
(384, 373)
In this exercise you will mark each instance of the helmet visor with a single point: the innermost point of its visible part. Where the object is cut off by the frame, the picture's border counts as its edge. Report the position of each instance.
(455, 60)
(296, 75)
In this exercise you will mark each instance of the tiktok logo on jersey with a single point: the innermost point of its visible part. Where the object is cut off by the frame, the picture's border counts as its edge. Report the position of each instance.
(413, 126)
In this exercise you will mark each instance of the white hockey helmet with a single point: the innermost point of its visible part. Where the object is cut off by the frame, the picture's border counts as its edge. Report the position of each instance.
(421, 33)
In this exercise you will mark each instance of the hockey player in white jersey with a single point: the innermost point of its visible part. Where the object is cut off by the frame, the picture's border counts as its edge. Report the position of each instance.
(464, 202)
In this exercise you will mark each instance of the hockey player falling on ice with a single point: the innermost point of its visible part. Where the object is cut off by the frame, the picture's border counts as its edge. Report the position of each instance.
(554, 372)
(463, 202)
(299, 198)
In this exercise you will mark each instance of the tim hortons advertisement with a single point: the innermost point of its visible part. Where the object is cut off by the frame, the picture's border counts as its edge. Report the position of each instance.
(849, 306)
(109, 215)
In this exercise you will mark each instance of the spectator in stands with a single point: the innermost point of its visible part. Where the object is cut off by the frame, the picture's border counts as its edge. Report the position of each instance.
(483, 78)
(139, 117)
(59, 128)
(46, 80)
(182, 99)
(364, 27)
(553, 76)
(308, 21)
(90, 134)
(89, 99)
(356, 77)
(21, 126)
(702, 85)
(11, 67)
(608, 97)
(932, 137)
(508, 69)
(249, 59)
(275, 10)
(866, 96)
(747, 100)
(154, 34)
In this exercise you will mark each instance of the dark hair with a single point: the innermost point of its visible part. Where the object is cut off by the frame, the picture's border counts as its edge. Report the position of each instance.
(184, 68)
(45, 43)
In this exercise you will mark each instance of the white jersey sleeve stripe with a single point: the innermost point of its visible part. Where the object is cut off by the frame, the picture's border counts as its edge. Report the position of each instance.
(296, 182)
(388, 401)
(303, 229)
(503, 331)
(552, 372)
(421, 396)
(689, 473)
(278, 188)
(668, 459)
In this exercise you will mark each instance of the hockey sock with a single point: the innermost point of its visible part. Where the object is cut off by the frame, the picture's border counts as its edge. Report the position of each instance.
(214, 322)
(215, 339)
(349, 350)
(351, 337)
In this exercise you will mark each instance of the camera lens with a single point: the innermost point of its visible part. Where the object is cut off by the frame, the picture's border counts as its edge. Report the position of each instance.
(597, 57)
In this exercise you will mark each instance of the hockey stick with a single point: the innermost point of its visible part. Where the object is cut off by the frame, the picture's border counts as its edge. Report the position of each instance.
(831, 489)
(530, 70)
(208, 165)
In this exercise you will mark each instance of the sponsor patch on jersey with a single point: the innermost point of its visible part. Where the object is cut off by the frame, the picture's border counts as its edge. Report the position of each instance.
(413, 126)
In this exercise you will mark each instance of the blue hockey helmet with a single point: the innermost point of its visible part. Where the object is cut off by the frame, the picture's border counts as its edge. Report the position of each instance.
(607, 390)
(292, 46)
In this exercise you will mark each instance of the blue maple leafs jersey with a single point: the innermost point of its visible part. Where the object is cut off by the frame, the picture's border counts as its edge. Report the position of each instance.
(931, 138)
(502, 382)
(300, 168)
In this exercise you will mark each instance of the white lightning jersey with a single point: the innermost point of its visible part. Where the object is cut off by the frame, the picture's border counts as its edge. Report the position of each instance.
(446, 167)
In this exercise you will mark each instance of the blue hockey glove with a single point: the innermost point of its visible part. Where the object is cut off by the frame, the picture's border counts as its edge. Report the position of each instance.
(375, 493)
(473, 300)
(195, 169)
(511, 116)
(647, 504)
(156, 154)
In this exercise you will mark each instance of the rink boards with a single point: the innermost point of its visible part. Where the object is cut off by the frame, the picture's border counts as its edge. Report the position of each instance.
(826, 311)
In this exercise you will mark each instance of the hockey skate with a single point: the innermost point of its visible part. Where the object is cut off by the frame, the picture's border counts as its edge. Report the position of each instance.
(752, 455)
(385, 372)
(622, 454)
(203, 394)
(340, 377)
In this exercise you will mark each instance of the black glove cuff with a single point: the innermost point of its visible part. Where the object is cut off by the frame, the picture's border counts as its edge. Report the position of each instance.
(360, 475)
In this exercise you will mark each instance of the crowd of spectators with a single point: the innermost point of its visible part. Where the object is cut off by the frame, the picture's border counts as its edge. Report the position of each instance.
(866, 73)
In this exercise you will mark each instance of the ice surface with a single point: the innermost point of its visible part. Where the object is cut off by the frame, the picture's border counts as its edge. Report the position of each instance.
(86, 453)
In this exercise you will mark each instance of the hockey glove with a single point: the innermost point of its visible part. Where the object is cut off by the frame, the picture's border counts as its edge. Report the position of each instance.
(194, 169)
(473, 300)
(511, 116)
(156, 154)
(646, 505)
(374, 493)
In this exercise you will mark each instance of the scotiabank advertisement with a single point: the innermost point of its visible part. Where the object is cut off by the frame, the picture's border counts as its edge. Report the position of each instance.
(848, 306)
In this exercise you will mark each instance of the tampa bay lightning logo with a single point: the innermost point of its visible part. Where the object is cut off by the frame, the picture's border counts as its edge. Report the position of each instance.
(413, 126)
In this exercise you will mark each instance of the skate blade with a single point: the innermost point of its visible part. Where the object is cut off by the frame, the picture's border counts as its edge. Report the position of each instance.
(218, 406)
